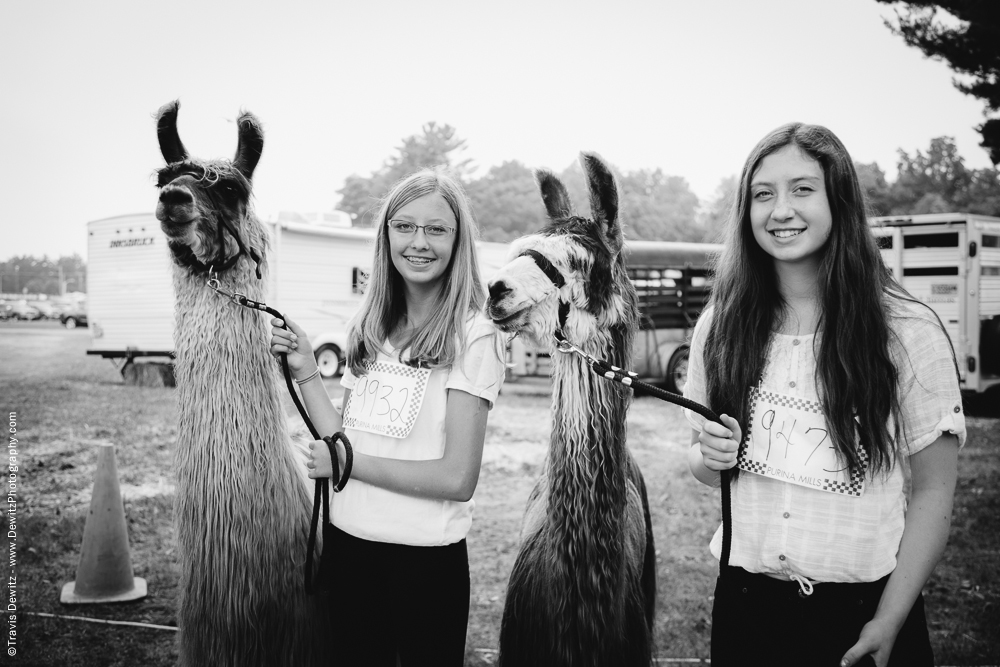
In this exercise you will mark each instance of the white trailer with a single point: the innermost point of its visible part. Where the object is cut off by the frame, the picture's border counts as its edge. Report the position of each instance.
(951, 262)
(317, 277)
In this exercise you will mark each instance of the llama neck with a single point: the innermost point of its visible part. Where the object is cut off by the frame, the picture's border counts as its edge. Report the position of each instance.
(225, 374)
(587, 453)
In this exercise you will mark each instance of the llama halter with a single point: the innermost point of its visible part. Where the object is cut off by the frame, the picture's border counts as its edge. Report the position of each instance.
(212, 176)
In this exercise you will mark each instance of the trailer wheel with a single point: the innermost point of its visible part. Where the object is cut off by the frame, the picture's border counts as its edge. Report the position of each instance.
(329, 361)
(677, 370)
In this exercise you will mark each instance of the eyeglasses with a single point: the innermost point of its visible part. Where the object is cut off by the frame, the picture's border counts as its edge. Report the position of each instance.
(404, 228)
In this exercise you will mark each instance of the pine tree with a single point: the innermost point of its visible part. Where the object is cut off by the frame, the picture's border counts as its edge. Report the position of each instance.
(971, 47)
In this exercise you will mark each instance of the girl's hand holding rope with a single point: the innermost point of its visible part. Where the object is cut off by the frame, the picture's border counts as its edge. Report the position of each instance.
(720, 444)
(319, 464)
(294, 343)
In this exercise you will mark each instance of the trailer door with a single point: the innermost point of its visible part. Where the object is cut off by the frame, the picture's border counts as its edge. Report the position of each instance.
(934, 268)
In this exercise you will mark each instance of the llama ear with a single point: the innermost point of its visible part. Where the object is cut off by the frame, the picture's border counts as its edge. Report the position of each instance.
(251, 144)
(554, 195)
(166, 131)
(603, 197)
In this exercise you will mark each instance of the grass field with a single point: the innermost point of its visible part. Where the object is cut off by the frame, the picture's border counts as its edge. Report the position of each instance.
(65, 402)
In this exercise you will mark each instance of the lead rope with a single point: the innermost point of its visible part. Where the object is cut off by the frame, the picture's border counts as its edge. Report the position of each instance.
(321, 493)
(631, 380)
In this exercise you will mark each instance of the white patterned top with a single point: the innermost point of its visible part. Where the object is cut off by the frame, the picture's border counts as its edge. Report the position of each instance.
(781, 528)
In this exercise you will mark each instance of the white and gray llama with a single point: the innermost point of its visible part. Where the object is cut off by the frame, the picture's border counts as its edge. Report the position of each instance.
(243, 506)
(582, 591)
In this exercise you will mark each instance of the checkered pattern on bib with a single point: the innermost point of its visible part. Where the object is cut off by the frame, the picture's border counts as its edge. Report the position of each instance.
(421, 375)
(854, 487)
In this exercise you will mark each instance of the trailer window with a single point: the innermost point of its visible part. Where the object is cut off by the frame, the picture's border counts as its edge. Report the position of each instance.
(991, 241)
(947, 240)
(359, 280)
(932, 271)
(884, 242)
(990, 270)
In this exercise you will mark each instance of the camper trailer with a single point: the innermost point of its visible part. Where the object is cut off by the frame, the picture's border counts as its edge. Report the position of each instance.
(319, 268)
(951, 262)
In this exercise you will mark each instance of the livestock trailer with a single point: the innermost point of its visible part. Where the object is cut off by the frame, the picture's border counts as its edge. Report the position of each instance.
(951, 262)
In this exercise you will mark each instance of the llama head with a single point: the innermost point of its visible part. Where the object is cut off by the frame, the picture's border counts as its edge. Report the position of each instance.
(570, 276)
(204, 205)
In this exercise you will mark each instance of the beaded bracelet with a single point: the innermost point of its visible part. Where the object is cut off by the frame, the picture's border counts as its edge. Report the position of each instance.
(330, 441)
(306, 379)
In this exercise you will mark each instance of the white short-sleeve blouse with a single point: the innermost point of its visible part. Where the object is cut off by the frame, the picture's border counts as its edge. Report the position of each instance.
(785, 529)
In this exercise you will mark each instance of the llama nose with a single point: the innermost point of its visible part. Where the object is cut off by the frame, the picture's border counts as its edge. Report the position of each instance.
(172, 195)
(498, 290)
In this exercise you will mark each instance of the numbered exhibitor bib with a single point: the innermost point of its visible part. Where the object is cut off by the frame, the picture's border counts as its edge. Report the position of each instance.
(788, 440)
(387, 399)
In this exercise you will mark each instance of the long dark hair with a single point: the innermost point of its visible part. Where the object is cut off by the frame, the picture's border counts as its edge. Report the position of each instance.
(855, 374)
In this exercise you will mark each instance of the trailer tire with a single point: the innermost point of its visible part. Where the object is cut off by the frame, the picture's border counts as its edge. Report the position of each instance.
(330, 361)
(677, 370)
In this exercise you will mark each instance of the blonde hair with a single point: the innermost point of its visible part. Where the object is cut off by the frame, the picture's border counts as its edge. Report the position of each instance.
(438, 341)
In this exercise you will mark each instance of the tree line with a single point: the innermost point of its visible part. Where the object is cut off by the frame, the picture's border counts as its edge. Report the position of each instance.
(27, 274)
(656, 206)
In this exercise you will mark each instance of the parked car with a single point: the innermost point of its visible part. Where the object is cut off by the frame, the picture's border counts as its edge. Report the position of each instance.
(46, 308)
(6, 310)
(23, 311)
(73, 318)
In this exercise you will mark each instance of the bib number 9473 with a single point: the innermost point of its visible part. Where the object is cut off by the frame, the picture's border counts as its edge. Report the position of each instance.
(788, 440)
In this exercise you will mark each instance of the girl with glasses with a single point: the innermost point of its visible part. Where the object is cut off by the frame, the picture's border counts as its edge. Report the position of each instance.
(838, 390)
(424, 367)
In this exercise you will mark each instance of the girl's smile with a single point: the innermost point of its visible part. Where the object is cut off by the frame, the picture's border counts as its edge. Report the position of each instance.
(785, 233)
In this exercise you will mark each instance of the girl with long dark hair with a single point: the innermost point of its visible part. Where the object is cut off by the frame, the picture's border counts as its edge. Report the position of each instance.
(838, 391)
(424, 367)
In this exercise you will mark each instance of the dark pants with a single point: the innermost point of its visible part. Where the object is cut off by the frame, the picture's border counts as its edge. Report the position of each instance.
(761, 620)
(394, 599)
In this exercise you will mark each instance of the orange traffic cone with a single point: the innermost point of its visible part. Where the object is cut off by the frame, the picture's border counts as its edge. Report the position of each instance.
(105, 570)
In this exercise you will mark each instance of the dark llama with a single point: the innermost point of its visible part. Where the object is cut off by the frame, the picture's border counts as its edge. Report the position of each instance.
(243, 505)
(583, 588)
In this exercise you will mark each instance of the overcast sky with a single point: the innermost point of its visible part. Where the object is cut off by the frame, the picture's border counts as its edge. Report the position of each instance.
(688, 86)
